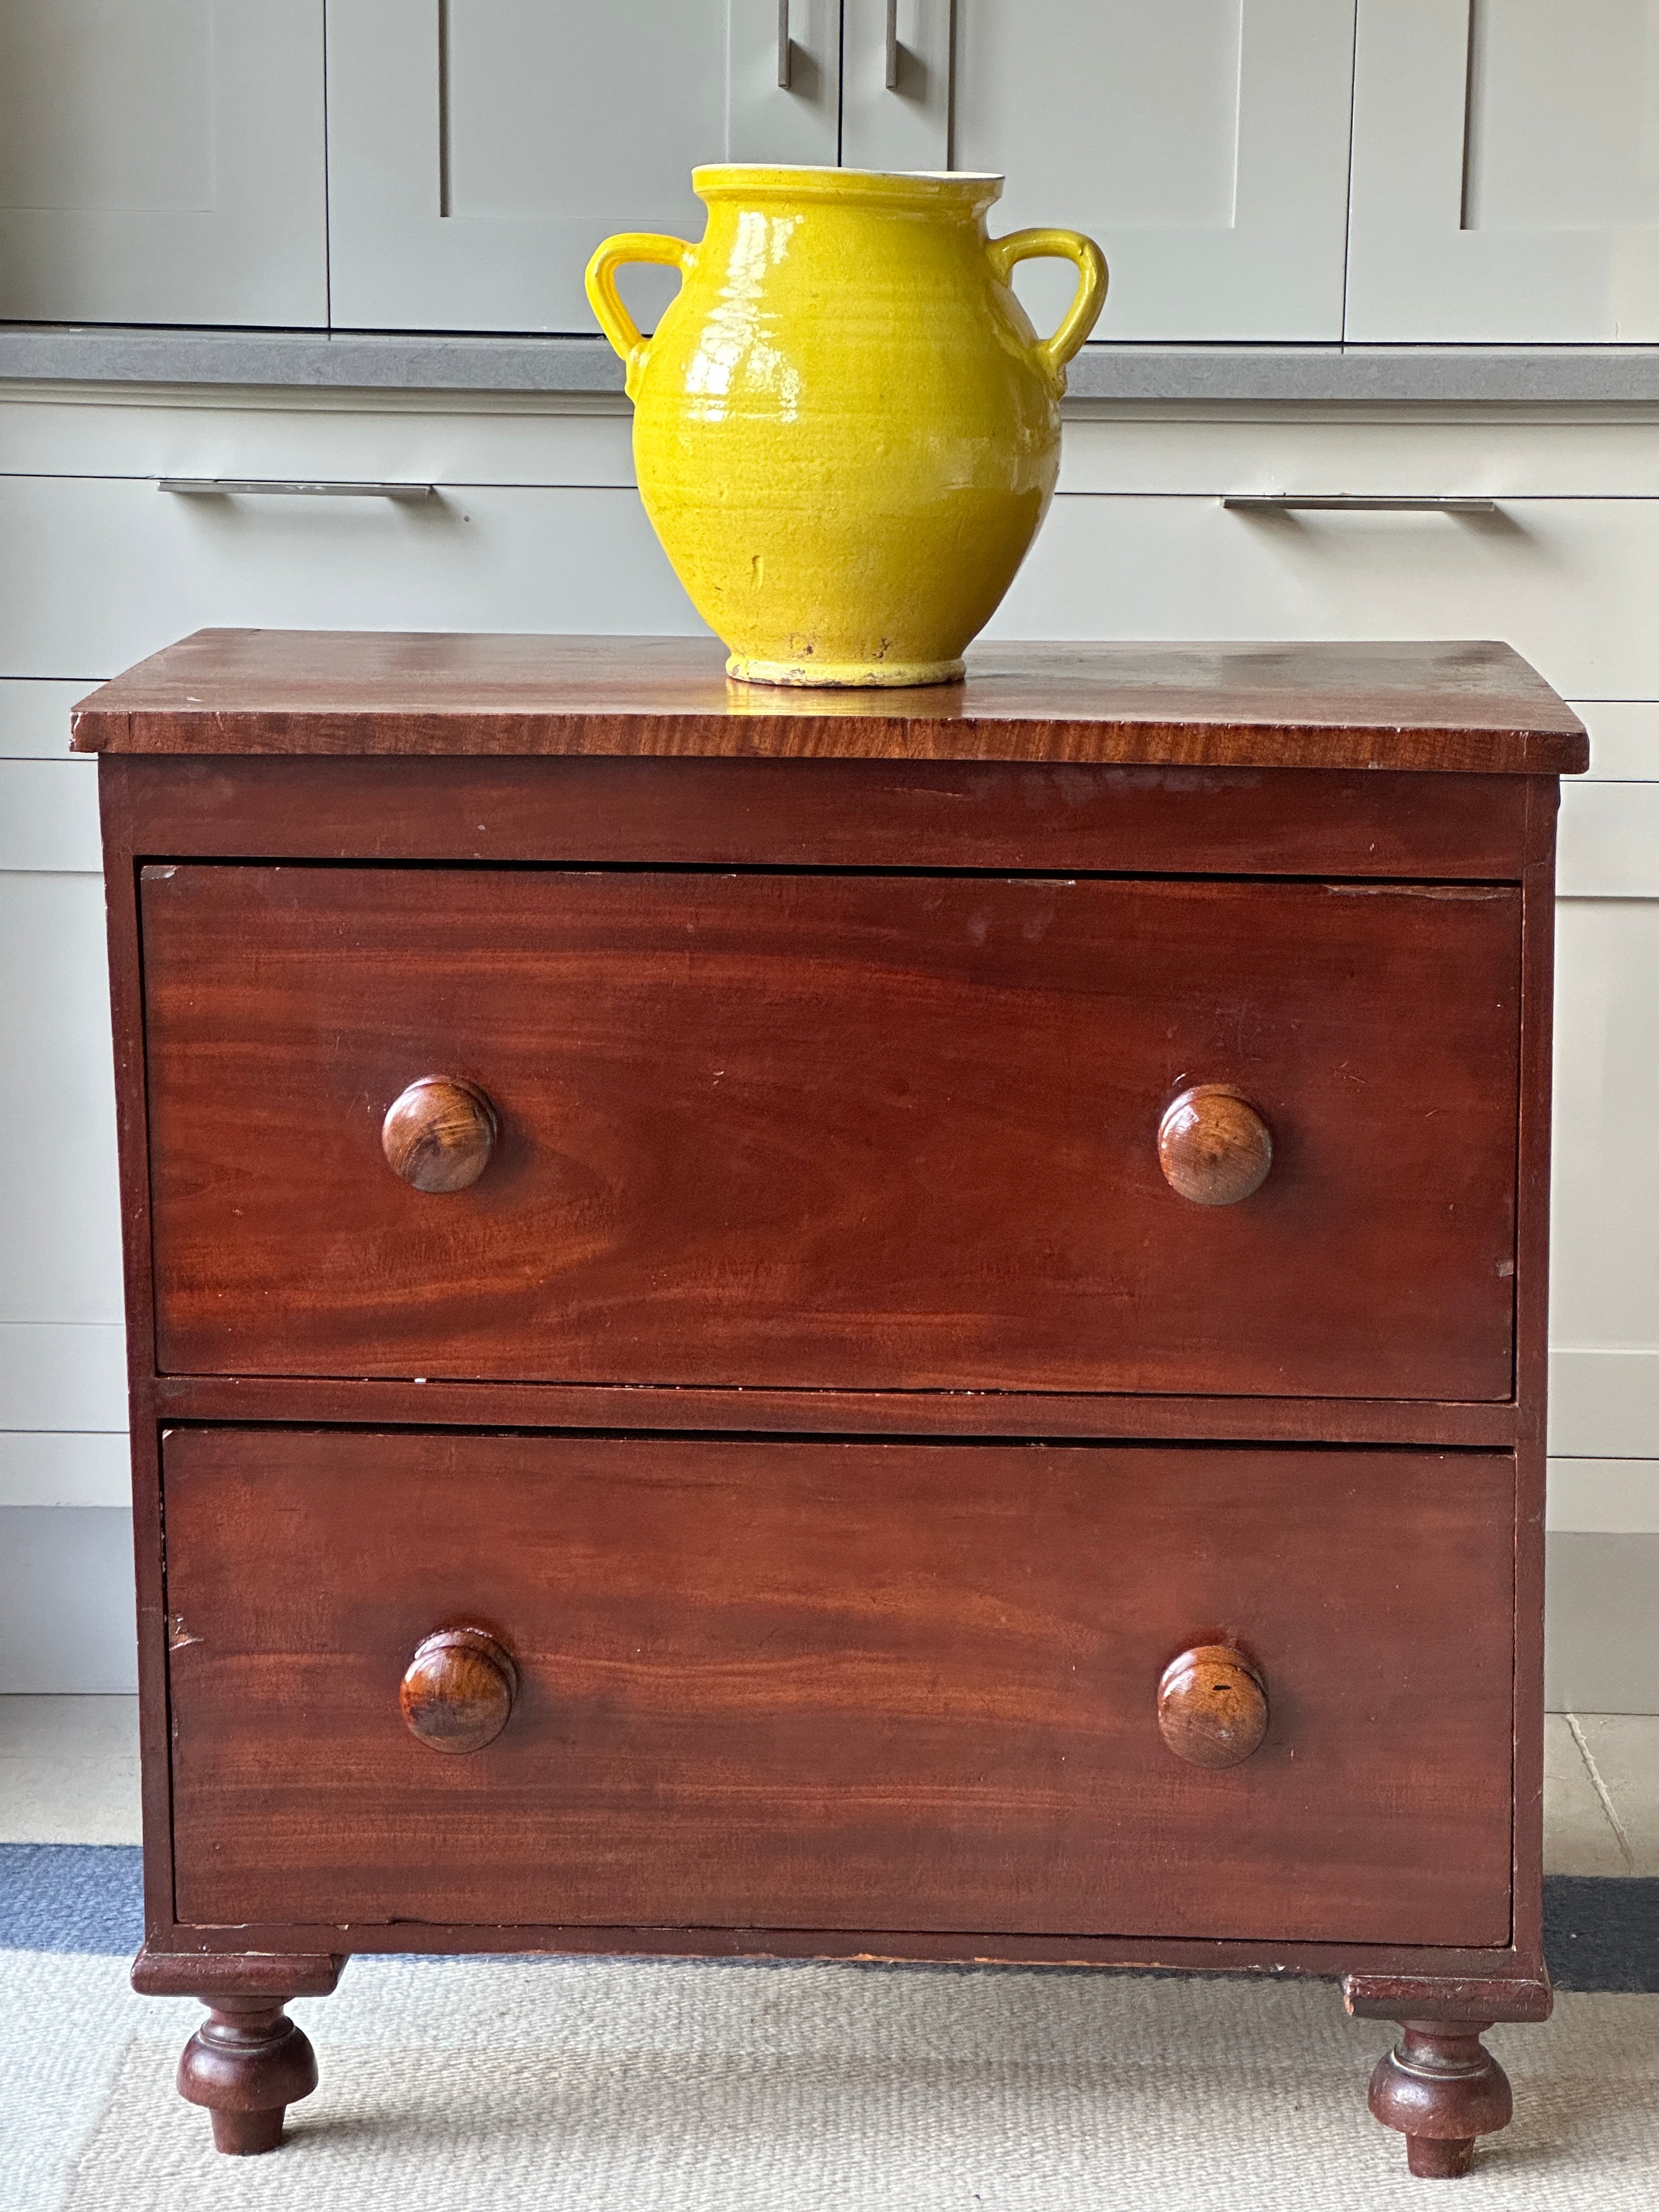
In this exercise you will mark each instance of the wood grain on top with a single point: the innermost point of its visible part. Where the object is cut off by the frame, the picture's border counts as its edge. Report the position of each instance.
(1476, 707)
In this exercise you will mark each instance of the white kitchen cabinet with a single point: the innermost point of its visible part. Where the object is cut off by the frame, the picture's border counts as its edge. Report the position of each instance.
(480, 150)
(1567, 581)
(34, 720)
(97, 572)
(896, 70)
(1258, 171)
(1604, 1267)
(62, 1264)
(535, 525)
(1505, 182)
(162, 162)
(1203, 143)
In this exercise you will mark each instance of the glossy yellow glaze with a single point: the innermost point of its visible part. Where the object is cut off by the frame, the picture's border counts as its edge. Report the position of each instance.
(846, 431)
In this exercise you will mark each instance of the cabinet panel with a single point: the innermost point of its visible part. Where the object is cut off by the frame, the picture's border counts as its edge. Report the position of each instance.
(321, 437)
(1604, 1258)
(49, 813)
(97, 574)
(1624, 736)
(1203, 142)
(767, 120)
(1505, 184)
(162, 162)
(1365, 450)
(896, 96)
(34, 720)
(1609, 845)
(1565, 581)
(480, 150)
(60, 1258)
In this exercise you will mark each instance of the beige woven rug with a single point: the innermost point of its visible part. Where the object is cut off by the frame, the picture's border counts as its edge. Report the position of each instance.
(559, 2086)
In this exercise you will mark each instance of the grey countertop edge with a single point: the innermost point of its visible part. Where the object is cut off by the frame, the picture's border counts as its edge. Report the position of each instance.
(414, 362)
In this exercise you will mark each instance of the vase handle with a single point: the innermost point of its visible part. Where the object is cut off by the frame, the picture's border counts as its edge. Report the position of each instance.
(606, 300)
(1083, 312)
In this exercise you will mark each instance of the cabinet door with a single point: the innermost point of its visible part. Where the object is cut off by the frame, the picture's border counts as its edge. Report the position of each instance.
(1505, 183)
(1203, 142)
(480, 150)
(895, 83)
(162, 162)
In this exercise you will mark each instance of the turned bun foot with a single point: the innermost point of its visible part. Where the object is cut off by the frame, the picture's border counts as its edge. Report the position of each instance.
(242, 2134)
(1439, 2158)
(1441, 2088)
(247, 2062)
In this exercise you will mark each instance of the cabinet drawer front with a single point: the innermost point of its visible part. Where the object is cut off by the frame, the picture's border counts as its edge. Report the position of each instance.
(765, 1684)
(114, 569)
(833, 1132)
(1565, 581)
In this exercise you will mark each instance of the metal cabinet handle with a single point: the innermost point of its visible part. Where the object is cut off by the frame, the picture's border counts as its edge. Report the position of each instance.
(892, 45)
(786, 51)
(1287, 502)
(226, 487)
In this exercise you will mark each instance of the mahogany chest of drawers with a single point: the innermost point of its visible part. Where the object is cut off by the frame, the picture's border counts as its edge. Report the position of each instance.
(904, 1324)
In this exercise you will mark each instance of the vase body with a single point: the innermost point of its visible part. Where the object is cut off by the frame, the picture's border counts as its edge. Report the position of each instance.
(846, 431)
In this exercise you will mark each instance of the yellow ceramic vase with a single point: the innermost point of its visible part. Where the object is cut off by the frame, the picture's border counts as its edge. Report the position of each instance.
(846, 431)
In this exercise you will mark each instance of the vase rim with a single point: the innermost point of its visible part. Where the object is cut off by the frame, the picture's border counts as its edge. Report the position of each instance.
(728, 180)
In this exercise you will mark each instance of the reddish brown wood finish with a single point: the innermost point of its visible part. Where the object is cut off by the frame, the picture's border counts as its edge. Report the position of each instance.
(840, 1132)
(1441, 2088)
(438, 1134)
(975, 797)
(127, 1020)
(1323, 1961)
(1445, 1995)
(247, 2062)
(1095, 1417)
(458, 1690)
(257, 1971)
(1532, 1359)
(825, 814)
(1436, 706)
(1213, 1146)
(806, 1686)
(1213, 1706)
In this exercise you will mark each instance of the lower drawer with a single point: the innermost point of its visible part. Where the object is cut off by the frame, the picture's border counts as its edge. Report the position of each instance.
(864, 1686)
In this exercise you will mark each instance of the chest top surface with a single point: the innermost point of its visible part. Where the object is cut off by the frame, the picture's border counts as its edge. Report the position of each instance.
(1469, 707)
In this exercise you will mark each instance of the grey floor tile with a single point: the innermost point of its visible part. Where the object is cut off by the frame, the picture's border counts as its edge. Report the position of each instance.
(1578, 1837)
(68, 1770)
(1625, 1750)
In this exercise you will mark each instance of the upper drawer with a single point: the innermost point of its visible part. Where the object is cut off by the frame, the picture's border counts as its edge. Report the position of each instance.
(117, 570)
(1565, 581)
(882, 1131)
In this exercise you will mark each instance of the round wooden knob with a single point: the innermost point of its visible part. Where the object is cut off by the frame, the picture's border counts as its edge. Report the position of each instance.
(1213, 1146)
(1211, 1706)
(438, 1134)
(457, 1690)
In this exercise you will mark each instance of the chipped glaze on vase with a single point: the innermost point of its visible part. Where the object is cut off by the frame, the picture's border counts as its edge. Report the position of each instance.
(846, 431)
